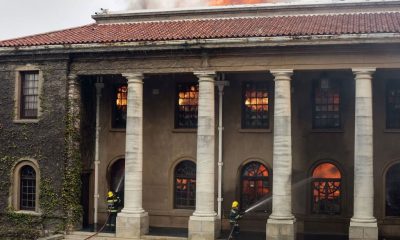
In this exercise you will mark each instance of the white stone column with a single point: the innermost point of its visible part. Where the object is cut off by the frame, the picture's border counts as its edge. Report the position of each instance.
(281, 223)
(363, 224)
(133, 221)
(203, 224)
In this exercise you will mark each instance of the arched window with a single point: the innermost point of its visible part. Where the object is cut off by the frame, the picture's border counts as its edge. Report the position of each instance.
(326, 189)
(185, 185)
(117, 176)
(27, 195)
(393, 191)
(255, 183)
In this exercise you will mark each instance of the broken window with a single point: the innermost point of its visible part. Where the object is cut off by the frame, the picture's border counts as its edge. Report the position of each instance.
(256, 185)
(29, 95)
(185, 185)
(326, 107)
(28, 188)
(393, 191)
(255, 105)
(393, 105)
(120, 106)
(187, 101)
(326, 189)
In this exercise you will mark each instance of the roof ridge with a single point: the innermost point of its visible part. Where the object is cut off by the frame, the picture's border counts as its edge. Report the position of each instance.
(243, 17)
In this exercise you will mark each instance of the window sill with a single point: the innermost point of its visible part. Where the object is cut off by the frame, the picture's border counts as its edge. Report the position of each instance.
(389, 130)
(26, 212)
(184, 130)
(117, 129)
(22, 121)
(254, 130)
(327, 130)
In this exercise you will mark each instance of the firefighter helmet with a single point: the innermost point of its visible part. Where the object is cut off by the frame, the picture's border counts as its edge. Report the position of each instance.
(110, 194)
(235, 204)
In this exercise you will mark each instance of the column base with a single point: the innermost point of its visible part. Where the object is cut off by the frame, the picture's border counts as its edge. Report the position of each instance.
(132, 225)
(281, 229)
(204, 228)
(363, 230)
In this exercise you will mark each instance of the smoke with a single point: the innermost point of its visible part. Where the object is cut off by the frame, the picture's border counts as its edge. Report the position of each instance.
(164, 4)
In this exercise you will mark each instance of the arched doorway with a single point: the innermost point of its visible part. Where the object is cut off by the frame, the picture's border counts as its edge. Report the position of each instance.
(117, 178)
(392, 207)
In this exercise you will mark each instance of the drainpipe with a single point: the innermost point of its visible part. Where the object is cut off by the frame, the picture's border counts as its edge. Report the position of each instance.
(220, 84)
(99, 86)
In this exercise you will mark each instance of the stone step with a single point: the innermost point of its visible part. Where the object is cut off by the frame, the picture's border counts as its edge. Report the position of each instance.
(111, 236)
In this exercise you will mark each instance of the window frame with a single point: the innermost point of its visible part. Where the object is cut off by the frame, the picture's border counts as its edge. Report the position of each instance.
(342, 206)
(176, 105)
(19, 71)
(188, 206)
(243, 104)
(269, 179)
(337, 83)
(15, 200)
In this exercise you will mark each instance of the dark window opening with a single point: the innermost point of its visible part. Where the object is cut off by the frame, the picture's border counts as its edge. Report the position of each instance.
(29, 95)
(393, 191)
(117, 179)
(187, 101)
(393, 105)
(255, 105)
(185, 185)
(255, 184)
(120, 106)
(326, 107)
(28, 188)
(326, 189)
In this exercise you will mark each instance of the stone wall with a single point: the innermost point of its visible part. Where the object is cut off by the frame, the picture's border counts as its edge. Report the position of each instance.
(43, 141)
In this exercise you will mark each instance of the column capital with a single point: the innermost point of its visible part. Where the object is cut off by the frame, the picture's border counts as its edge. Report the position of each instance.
(282, 74)
(133, 77)
(205, 74)
(363, 73)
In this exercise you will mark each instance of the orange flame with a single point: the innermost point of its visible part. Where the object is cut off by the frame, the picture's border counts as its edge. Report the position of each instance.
(235, 2)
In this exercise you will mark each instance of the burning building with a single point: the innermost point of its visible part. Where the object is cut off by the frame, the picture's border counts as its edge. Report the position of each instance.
(293, 108)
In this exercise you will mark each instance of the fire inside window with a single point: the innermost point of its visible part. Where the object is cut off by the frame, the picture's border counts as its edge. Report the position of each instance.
(187, 105)
(255, 113)
(29, 95)
(326, 189)
(120, 104)
(326, 112)
(255, 183)
(185, 185)
(393, 105)
(28, 188)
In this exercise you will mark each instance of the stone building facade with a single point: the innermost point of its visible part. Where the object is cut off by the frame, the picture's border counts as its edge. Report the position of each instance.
(181, 112)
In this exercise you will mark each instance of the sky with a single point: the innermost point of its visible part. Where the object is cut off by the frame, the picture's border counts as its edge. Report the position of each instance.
(26, 17)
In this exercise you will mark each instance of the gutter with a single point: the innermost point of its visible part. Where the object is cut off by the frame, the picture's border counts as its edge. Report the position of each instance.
(349, 39)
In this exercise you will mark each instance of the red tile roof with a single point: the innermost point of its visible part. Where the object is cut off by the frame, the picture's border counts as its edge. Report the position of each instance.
(302, 25)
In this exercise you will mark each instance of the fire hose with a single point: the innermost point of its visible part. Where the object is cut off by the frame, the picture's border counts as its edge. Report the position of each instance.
(101, 229)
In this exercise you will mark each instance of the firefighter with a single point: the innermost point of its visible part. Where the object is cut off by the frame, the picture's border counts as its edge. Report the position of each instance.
(113, 204)
(234, 217)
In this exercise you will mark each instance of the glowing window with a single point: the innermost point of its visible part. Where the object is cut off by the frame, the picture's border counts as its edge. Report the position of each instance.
(393, 105)
(326, 189)
(28, 188)
(326, 112)
(187, 101)
(185, 185)
(119, 106)
(255, 183)
(393, 191)
(255, 105)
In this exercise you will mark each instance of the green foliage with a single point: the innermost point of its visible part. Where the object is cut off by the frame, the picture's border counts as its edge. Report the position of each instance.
(20, 226)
